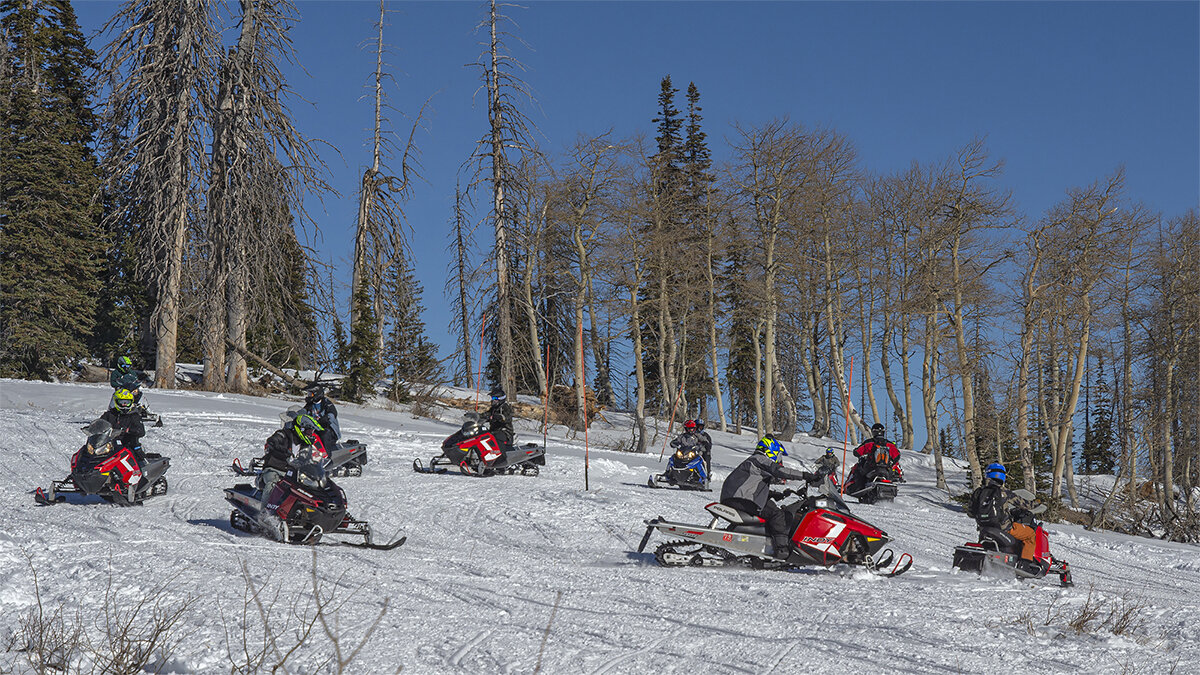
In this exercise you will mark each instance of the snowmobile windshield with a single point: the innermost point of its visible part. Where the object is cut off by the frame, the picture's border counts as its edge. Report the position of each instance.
(290, 414)
(471, 424)
(100, 437)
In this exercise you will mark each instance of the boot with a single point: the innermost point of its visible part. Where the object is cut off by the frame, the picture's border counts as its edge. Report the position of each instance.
(782, 547)
(1031, 568)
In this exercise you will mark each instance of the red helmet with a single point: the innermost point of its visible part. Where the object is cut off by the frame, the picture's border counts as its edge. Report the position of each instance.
(690, 425)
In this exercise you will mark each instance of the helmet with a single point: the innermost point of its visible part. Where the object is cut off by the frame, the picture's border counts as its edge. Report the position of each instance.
(689, 425)
(314, 394)
(700, 425)
(124, 364)
(996, 471)
(772, 448)
(498, 393)
(312, 476)
(306, 427)
(877, 431)
(123, 400)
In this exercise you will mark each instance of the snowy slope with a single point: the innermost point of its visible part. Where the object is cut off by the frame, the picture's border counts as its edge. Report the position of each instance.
(474, 588)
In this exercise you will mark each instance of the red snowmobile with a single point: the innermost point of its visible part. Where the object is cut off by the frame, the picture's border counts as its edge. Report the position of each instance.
(104, 468)
(999, 553)
(824, 533)
(476, 452)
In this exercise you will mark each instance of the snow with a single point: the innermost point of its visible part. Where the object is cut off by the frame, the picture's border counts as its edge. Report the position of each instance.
(489, 560)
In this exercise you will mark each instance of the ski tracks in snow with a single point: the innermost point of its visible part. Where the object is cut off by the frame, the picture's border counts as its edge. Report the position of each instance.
(621, 658)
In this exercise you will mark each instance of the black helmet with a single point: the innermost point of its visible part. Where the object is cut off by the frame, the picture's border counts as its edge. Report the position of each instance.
(498, 393)
(124, 364)
(314, 394)
(877, 431)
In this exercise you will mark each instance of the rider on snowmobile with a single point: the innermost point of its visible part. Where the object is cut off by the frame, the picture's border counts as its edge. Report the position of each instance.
(689, 441)
(300, 432)
(125, 376)
(998, 516)
(748, 489)
(317, 404)
(125, 419)
(875, 452)
(500, 418)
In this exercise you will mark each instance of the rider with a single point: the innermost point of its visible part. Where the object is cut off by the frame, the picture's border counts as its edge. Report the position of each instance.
(317, 404)
(125, 376)
(705, 445)
(748, 489)
(127, 424)
(302, 431)
(875, 453)
(690, 440)
(500, 418)
(993, 508)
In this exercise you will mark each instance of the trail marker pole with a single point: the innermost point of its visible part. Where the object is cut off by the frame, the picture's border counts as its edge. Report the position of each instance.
(846, 417)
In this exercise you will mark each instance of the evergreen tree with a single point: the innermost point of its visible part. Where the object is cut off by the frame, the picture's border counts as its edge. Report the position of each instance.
(1098, 455)
(52, 246)
(362, 355)
(412, 357)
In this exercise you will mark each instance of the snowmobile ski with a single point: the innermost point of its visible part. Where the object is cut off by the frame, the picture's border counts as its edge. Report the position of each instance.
(370, 545)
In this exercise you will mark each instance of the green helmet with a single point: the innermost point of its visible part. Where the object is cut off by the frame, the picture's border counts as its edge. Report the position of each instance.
(306, 427)
(124, 364)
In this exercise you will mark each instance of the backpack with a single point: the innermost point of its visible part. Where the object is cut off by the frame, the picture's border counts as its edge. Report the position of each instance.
(987, 506)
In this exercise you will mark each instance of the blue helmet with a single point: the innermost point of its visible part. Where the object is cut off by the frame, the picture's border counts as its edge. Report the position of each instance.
(996, 471)
(772, 448)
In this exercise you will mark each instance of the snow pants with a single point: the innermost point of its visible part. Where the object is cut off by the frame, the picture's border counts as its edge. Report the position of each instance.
(1028, 538)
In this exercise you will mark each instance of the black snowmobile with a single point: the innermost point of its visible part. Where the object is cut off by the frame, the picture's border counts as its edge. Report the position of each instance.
(345, 458)
(108, 470)
(879, 486)
(303, 506)
(476, 452)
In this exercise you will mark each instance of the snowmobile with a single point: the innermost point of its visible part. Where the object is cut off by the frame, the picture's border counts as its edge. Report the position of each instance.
(110, 472)
(825, 533)
(999, 553)
(880, 486)
(476, 452)
(346, 458)
(685, 470)
(303, 505)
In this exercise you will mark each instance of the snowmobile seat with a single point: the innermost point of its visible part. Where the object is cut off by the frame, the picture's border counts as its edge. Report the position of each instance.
(735, 516)
(1004, 541)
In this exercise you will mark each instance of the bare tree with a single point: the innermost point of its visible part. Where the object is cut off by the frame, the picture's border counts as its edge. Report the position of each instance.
(508, 131)
(159, 66)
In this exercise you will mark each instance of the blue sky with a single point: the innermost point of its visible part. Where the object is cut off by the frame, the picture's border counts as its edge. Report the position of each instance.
(1064, 92)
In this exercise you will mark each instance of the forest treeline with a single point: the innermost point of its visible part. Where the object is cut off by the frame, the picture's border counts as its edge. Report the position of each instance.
(787, 288)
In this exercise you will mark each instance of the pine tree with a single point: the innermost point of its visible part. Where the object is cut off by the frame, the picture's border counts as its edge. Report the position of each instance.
(1098, 455)
(410, 354)
(362, 355)
(52, 247)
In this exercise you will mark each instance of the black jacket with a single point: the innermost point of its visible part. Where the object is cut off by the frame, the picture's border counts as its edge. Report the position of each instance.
(990, 506)
(500, 417)
(752, 478)
(130, 423)
(279, 448)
